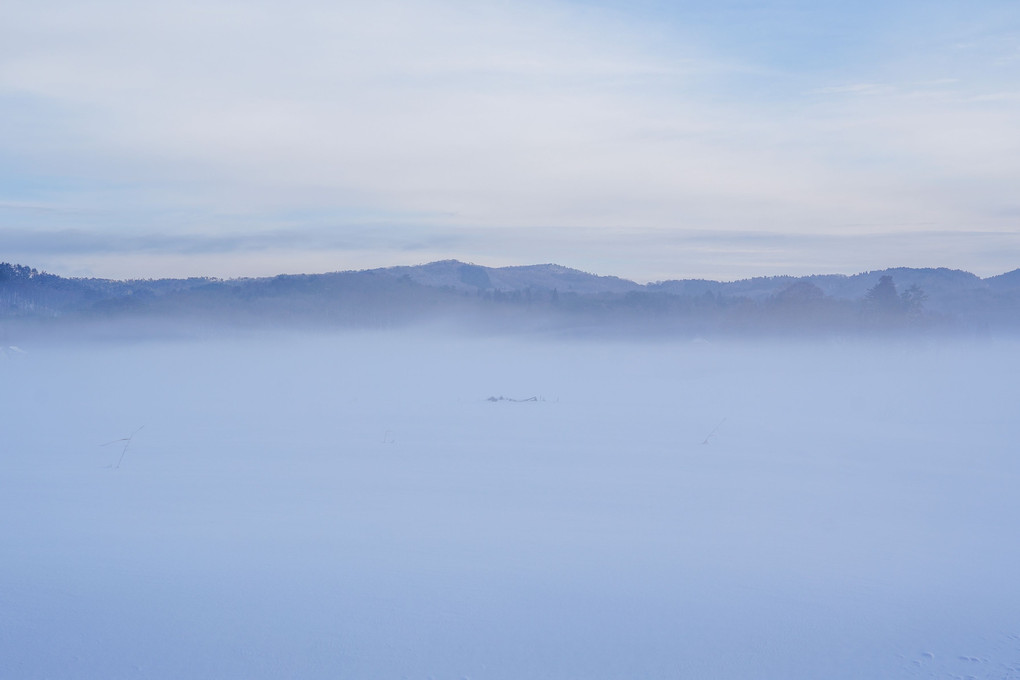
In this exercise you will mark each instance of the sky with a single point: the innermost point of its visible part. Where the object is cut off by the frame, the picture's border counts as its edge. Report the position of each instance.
(645, 139)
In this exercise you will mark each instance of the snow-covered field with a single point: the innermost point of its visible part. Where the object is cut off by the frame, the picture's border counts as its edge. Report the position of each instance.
(353, 506)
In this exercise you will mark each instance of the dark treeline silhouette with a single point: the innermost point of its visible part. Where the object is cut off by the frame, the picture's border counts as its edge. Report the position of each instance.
(532, 298)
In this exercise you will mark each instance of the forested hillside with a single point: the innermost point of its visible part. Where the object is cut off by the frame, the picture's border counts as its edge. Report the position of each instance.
(530, 298)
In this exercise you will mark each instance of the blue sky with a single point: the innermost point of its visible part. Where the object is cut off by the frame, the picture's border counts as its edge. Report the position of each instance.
(645, 139)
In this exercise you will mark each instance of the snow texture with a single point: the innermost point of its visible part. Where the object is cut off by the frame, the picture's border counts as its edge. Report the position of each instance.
(354, 506)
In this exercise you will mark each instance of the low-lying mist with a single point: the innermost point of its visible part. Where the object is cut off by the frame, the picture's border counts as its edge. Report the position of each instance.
(535, 300)
(425, 504)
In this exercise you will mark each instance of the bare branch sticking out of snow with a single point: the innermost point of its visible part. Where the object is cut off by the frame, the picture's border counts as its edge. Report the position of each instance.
(712, 433)
(502, 398)
(127, 443)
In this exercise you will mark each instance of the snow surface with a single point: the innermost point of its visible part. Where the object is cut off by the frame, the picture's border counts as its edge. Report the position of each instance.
(353, 506)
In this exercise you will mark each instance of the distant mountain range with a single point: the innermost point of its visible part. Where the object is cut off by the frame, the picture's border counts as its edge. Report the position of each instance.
(535, 297)
(939, 284)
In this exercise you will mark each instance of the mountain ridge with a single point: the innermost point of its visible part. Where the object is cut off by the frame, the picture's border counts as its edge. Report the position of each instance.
(527, 294)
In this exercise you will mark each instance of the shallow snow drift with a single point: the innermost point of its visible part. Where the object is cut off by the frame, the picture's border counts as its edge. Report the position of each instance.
(355, 506)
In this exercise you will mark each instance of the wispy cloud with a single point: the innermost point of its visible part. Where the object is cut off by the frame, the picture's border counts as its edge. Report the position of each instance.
(856, 88)
(250, 126)
(642, 255)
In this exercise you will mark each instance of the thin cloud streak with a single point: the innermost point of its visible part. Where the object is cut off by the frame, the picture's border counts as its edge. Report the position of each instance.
(642, 255)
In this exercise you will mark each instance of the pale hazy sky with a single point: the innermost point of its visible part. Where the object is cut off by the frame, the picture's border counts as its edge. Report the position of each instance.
(645, 139)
